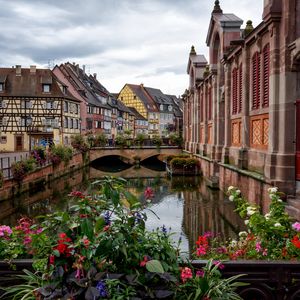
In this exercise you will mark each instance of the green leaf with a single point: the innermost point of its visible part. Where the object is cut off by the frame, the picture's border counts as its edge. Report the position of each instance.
(155, 266)
(87, 228)
(100, 223)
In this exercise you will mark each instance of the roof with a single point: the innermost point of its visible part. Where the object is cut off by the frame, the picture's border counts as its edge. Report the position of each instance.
(158, 96)
(137, 115)
(140, 92)
(30, 84)
(197, 60)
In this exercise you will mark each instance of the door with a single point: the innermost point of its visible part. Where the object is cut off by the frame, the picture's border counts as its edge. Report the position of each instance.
(298, 140)
(19, 143)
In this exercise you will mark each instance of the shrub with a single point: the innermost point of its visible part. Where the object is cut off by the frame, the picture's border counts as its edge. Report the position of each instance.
(120, 141)
(101, 139)
(20, 168)
(78, 143)
(140, 138)
(60, 153)
(157, 141)
(39, 154)
(182, 162)
(176, 139)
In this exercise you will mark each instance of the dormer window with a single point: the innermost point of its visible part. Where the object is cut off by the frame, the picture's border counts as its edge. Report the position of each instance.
(46, 88)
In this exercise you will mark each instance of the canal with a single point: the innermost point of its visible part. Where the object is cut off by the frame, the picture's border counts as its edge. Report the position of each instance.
(184, 204)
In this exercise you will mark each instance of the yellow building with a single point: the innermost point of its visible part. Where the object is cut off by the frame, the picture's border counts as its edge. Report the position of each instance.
(35, 109)
(136, 96)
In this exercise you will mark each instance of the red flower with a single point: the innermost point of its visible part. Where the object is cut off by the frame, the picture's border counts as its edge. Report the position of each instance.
(77, 194)
(86, 242)
(51, 259)
(295, 241)
(186, 273)
(144, 261)
(148, 193)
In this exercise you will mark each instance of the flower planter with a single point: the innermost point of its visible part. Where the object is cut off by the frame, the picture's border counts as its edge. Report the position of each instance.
(267, 279)
(182, 171)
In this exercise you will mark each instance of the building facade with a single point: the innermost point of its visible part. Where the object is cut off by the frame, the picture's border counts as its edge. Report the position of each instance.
(32, 109)
(241, 109)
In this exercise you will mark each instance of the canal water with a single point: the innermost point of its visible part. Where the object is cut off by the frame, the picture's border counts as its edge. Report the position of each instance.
(185, 205)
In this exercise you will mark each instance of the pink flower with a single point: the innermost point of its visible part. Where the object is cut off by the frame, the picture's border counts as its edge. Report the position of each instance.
(219, 264)
(258, 247)
(296, 226)
(27, 240)
(200, 273)
(186, 274)
(148, 193)
(265, 252)
(5, 230)
(201, 250)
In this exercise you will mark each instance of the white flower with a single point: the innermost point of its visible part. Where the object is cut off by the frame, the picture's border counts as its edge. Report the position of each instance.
(230, 188)
(273, 190)
(246, 222)
(231, 198)
(233, 243)
(148, 200)
(279, 200)
(243, 233)
(267, 216)
(277, 224)
(250, 212)
(238, 192)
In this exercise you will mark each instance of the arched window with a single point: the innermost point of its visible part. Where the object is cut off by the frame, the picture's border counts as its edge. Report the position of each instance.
(266, 75)
(256, 81)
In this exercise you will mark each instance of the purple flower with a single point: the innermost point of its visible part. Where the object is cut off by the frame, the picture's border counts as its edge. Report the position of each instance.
(296, 226)
(107, 218)
(101, 288)
(5, 230)
(164, 229)
(200, 273)
(219, 264)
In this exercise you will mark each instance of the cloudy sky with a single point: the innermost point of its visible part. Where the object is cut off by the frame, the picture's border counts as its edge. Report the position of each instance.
(123, 41)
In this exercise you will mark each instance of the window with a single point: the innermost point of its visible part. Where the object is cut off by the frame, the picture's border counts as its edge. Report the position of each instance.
(50, 104)
(46, 88)
(52, 122)
(66, 106)
(1, 87)
(256, 81)
(3, 139)
(26, 104)
(26, 121)
(209, 96)
(240, 97)
(266, 75)
(65, 122)
(134, 97)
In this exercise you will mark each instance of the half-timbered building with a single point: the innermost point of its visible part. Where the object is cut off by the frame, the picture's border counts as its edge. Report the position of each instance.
(32, 109)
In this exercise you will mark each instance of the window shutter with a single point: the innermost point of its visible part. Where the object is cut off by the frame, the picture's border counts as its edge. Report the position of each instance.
(256, 81)
(44, 121)
(266, 75)
(234, 91)
(240, 89)
(209, 104)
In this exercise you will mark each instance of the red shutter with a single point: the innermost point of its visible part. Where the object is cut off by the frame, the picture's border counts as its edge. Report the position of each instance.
(240, 88)
(201, 107)
(266, 75)
(256, 80)
(209, 104)
(234, 91)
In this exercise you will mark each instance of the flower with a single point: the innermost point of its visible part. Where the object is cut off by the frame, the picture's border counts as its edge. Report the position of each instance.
(246, 222)
(258, 247)
(77, 194)
(102, 289)
(144, 261)
(267, 216)
(186, 273)
(243, 234)
(107, 219)
(231, 198)
(230, 188)
(200, 273)
(5, 230)
(200, 251)
(295, 241)
(238, 192)
(219, 264)
(277, 224)
(296, 226)
(148, 193)
(272, 190)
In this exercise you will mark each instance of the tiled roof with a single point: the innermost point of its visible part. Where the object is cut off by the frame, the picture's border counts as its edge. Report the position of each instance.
(30, 84)
(140, 92)
(158, 96)
(137, 115)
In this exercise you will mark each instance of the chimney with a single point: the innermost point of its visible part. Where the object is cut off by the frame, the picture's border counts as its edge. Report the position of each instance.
(83, 69)
(77, 69)
(95, 75)
(18, 70)
(32, 70)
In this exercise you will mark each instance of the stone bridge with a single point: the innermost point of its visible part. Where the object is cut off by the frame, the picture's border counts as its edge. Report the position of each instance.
(130, 153)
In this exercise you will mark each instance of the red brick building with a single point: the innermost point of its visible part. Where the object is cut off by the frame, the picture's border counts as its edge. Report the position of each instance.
(240, 110)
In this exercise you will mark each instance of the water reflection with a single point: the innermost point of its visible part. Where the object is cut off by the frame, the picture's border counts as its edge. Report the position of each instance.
(184, 204)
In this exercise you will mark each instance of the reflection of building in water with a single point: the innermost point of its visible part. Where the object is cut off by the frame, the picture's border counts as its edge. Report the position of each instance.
(205, 210)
